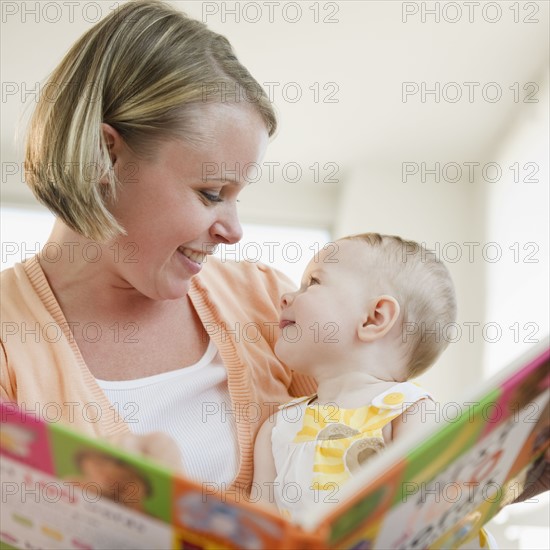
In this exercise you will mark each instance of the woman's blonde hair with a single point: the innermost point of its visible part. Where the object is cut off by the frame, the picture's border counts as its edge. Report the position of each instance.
(144, 70)
(422, 285)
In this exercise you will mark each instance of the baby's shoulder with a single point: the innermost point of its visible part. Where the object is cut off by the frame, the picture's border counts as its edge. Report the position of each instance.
(401, 396)
(298, 401)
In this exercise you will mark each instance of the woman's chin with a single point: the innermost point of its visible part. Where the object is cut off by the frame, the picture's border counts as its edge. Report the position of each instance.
(174, 289)
(176, 292)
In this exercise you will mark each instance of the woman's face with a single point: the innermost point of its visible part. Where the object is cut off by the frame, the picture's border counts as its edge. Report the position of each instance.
(179, 204)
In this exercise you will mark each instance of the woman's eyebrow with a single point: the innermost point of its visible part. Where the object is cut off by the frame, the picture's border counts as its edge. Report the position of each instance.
(232, 181)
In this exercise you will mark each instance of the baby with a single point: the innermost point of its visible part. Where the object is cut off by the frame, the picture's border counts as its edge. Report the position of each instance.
(363, 322)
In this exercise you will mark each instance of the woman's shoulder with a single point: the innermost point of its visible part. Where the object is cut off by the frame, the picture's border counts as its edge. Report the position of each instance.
(8, 275)
(21, 286)
(12, 287)
(254, 277)
(242, 289)
(24, 314)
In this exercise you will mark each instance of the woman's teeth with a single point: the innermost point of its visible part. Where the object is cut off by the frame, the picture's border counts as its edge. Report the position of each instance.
(197, 257)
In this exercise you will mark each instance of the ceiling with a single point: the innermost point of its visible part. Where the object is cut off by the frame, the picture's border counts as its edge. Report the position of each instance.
(358, 54)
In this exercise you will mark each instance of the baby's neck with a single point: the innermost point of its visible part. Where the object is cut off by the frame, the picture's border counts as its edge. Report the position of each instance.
(360, 376)
(351, 390)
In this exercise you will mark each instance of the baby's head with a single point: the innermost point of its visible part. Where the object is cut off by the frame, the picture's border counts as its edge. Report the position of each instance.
(368, 292)
(423, 288)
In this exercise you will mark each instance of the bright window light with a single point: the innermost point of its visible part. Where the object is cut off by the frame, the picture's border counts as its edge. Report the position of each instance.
(288, 249)
(24, 231)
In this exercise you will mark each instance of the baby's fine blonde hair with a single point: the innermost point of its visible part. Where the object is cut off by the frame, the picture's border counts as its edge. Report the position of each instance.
(146, 70)
(422, 285)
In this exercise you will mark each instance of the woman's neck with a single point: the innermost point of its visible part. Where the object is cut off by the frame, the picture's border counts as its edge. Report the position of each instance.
(82, 274)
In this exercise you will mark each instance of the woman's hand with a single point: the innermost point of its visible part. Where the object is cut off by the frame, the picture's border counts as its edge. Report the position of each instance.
(157, 446)
(538, 478)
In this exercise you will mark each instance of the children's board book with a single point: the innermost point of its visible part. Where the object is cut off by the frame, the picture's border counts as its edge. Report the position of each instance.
(432, 489)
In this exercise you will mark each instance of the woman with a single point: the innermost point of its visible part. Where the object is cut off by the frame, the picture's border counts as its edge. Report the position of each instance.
(130, 146)
(123, 323)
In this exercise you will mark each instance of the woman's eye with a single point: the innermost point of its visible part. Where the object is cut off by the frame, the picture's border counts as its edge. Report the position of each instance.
(211, 197)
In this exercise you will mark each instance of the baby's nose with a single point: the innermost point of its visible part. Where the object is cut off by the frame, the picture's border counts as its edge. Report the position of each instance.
(286, 300)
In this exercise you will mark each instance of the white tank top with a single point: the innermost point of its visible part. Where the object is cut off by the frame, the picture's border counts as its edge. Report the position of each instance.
(193, 406)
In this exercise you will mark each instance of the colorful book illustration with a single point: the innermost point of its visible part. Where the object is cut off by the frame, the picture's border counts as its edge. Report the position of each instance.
(434, 489)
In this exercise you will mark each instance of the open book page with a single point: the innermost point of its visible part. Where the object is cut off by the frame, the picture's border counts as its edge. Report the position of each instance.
(438, 486)
(434, 488)
(63, 490)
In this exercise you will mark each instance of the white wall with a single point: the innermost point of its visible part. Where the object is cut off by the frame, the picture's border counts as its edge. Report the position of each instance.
(517, 289)
(517, 216)
(438, 214)
(494, 294)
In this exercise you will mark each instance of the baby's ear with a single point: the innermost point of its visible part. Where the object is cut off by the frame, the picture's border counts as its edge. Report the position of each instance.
(380, 317)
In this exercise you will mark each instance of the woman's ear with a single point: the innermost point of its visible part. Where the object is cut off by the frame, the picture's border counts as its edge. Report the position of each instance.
(112, 140)
(380, 317)
(116, 150)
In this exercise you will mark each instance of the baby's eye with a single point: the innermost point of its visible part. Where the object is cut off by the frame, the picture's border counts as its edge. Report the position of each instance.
(314, 281)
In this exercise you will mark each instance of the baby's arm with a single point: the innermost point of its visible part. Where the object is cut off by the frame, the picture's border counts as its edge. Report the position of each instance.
(421, 413)
(264, 465)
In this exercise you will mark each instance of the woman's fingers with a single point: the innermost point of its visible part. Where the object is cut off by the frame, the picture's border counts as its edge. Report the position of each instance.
(158, 446)
(538, 478)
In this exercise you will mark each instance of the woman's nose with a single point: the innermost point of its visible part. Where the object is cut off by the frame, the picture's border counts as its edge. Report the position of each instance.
(227, 229)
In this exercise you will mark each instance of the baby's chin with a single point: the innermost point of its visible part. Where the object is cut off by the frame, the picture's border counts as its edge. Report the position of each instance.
(279, 353)
(289, 359)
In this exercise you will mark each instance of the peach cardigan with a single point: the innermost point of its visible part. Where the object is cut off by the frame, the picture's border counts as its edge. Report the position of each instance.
(238, 303)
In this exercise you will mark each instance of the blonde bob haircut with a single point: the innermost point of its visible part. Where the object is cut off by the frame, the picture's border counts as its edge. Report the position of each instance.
(146, 70)
(421, 283)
